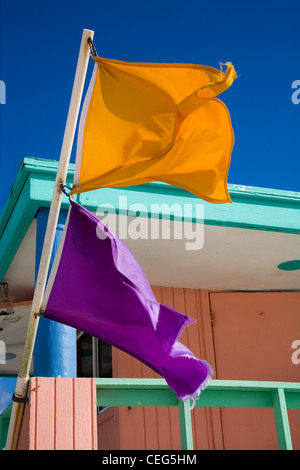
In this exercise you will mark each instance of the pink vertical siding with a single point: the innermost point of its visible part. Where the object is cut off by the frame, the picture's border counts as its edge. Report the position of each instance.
(60, 415)
(64, 415)
(108, 429)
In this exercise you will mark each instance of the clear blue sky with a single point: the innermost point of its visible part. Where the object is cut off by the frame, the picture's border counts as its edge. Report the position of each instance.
(39, 48)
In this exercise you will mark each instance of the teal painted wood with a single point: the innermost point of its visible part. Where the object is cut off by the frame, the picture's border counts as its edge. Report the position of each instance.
(215, 385)
(21, 208)
(185, 421)
(247, 394)
(235, 399)
(257, 210)
(281, 420)
(13, 196)
(220, 393)
(16, 227)
(292, 400)
(141, 396)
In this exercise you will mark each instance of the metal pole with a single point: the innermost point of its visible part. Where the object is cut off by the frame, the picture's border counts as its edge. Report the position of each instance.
(23, 377)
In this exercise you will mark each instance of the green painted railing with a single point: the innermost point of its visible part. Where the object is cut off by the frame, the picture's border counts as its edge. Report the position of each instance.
(280, 396)
(4, 423)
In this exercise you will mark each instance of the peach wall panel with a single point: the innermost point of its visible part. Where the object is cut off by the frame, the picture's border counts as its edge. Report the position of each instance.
(108, 429)
(60, 415)
(64, 404)
(253, 334)
(44, 413)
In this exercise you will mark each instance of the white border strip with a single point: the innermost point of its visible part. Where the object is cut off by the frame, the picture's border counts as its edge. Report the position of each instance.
(82, 125)
(56, 262)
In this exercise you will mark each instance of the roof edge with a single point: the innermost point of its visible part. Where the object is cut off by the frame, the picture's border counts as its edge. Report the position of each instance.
(50, 166)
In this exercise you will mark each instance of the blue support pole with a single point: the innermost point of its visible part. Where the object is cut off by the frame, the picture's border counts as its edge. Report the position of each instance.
(55, 346)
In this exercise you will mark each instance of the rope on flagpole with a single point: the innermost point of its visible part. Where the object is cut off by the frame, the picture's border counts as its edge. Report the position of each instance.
(92, 48)
(23, 377)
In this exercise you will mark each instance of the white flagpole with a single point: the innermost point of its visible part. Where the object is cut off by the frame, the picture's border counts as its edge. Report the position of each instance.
(23, 377)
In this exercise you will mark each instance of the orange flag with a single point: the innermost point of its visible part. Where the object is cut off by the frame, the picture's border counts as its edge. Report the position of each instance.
(155, 122)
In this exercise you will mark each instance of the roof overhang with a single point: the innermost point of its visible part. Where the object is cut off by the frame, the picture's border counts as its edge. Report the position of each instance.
(224, 247)
(200, 245)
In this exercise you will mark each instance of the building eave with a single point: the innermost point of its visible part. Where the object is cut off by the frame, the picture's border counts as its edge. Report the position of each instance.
(253, 208)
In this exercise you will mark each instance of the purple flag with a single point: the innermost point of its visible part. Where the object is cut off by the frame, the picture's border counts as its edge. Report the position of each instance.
(97, 286)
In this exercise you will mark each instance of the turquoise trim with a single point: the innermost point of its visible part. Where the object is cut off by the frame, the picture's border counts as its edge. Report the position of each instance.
(290, 265)
(252, 208)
